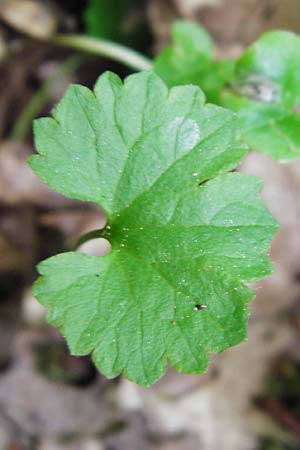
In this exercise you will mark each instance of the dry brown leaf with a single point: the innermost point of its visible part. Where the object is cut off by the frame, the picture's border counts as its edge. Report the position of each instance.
(31, 17)
(18, 184)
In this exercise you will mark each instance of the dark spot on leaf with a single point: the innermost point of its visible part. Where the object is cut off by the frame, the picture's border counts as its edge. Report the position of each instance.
(202, 182)
(199, 307)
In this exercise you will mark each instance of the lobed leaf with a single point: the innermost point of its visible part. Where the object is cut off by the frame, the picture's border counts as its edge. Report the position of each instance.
(104, 19)
(266, 94)
(189, 60)
(186, 233)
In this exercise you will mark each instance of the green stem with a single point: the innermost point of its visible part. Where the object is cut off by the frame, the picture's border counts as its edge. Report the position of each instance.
(105, 48)
(41, 97)
(83, 43)
(95, 234)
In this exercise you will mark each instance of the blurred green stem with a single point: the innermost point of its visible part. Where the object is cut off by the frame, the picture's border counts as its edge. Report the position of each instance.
(41, 97)
(105, 48)
(99, 47)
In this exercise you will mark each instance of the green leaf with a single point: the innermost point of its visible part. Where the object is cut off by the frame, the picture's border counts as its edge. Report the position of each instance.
(189, 60)
(117, 20)
(185, 233)
(103, 19)
(266, 93)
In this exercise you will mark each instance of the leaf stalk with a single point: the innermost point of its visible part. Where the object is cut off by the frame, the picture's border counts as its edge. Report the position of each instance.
(102, 47)
(95, 234)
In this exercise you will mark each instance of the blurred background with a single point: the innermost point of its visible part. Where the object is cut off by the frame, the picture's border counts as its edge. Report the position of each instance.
(49, 400)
